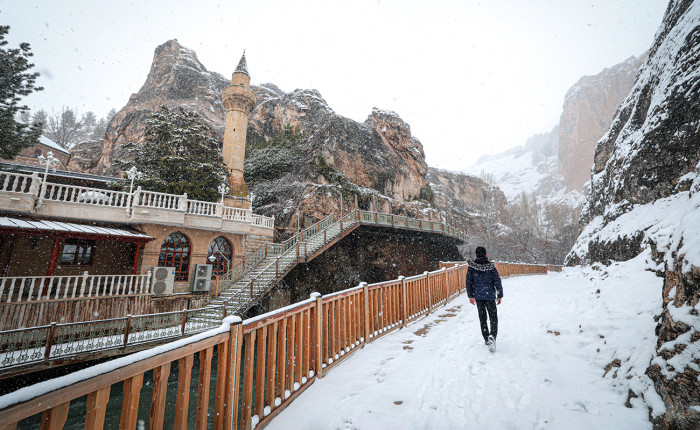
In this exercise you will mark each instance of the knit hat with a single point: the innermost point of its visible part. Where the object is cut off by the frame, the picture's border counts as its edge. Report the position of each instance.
(480, 251)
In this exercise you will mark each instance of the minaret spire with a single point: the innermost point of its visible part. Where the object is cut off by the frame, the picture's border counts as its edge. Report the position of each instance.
(242, 65)
(239, 101)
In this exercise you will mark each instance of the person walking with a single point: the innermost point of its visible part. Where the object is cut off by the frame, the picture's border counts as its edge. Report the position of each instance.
(484, 290)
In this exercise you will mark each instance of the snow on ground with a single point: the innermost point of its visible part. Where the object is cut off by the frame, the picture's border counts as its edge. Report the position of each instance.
(557, 334)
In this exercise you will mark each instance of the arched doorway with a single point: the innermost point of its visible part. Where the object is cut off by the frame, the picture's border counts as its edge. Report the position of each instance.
(221, 251)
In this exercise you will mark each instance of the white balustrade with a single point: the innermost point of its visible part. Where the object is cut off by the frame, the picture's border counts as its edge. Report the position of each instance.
(154, 199)
(237, 214)
(92, 196)
(15, 182)
(33, 288)
(197, 207)
(264, 221)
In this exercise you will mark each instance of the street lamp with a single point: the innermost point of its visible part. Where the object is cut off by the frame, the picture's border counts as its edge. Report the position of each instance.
(132, 174)
(223, 190)
(50, 162)
(341, 201)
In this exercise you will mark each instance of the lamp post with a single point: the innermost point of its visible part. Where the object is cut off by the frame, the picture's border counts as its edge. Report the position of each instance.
(223, 190)
(132, 174)
(50, 163)
(341, 201)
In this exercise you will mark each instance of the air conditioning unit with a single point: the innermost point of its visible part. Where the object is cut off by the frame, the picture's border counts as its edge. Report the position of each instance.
(162, 280)
(202, 277)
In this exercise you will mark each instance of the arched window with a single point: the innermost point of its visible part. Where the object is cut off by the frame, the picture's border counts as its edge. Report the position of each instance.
(175, 252)
(220, 249)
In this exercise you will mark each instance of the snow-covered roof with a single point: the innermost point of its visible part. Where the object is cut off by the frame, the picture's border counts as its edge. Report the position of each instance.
(53, 145)
(68, 227)
(242, 66)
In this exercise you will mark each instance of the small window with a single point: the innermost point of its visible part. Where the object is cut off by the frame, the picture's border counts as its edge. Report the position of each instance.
(78, 252)
(37, 152)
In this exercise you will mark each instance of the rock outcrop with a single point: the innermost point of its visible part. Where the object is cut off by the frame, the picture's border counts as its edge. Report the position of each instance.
(645, 195)
(466, 199)
(589, 108)
(176, 78)
(300, 154)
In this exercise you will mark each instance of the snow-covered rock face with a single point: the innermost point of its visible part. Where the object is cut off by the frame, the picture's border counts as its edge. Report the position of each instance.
(380, 153)
(589, 108)
(176, 78)
(532, 168)
(556, 166)
(645, 194)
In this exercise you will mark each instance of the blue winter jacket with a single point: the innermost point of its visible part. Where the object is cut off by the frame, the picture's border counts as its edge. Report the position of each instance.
(483, 282)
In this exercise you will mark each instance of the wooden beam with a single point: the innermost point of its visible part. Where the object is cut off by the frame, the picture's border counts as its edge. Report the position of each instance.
(202, 413)
(96, 408)
(130, 403)
(160, 387)
(183, 391)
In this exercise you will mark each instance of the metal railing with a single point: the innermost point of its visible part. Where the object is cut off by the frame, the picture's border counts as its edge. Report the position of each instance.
(57, 341)
(36, 288)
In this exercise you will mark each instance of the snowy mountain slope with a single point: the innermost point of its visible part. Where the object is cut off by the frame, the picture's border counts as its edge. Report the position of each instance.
(532, 168)
(645, 197)
(571, 348)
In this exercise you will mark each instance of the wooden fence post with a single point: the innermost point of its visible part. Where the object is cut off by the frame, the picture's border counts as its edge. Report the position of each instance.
(404, 312)
(49, 340)
(365, 293)
(427, 282)
(233, 376)
(184, 321)
(127, 330)
(319, 334)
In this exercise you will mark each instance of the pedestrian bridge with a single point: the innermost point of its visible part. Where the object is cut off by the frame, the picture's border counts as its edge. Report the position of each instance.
(239, 374)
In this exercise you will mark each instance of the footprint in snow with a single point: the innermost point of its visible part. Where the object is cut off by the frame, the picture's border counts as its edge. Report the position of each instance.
(582, 406)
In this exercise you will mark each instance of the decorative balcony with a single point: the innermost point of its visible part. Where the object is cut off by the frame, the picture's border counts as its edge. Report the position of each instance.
(30, 194)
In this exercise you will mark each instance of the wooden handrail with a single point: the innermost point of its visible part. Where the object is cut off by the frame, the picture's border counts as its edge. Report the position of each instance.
(279, 354)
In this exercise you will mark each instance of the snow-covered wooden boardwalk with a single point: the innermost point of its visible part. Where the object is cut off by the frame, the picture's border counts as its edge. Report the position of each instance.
(557, 333)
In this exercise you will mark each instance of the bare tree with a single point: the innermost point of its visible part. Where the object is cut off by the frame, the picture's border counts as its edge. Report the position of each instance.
(64, 127)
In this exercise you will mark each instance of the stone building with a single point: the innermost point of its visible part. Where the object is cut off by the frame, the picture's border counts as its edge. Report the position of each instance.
(69, 223)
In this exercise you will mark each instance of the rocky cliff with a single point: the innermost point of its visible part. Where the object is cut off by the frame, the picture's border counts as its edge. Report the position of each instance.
(589, 108)
(176, 78)
(300, 154)
(556, 165)
(645, 198)
(530, 168)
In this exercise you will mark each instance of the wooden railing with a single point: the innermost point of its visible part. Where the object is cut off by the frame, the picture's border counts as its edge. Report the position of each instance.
(35, 288)
(261, 365)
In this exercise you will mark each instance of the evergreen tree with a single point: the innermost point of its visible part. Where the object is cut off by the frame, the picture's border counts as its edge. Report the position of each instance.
(15, 82)
(100, 128)
(98, 132)
(40, 118)
(89, 121)
(179, 155)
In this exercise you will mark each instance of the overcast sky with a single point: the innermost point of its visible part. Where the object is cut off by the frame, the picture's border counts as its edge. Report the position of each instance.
(470, 77)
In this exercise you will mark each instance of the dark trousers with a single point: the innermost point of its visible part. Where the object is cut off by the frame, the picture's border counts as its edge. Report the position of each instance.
(484, 307)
